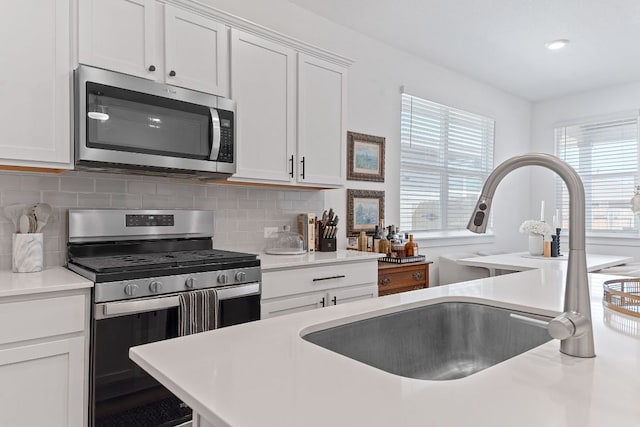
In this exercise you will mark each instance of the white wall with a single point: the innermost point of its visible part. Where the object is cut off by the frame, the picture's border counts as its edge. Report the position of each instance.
(545, 116)
(374, 106)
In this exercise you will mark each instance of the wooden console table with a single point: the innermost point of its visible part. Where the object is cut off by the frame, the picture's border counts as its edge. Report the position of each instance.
(395, 278)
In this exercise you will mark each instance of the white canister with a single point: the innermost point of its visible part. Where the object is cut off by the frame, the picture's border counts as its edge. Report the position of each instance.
(536, 244)
(27, 252)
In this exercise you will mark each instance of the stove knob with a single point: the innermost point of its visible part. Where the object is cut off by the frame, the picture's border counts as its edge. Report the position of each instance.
(155, 287)
(191, 282)
(130, 289)
(241, 276)
(222, 279)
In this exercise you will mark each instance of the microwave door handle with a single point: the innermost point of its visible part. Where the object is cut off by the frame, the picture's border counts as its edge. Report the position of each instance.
(215, 137)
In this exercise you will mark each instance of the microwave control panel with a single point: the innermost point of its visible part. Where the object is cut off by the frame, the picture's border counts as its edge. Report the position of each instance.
(226, 136)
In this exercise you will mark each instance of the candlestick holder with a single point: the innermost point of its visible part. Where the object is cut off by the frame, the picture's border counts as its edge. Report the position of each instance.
(555, 244)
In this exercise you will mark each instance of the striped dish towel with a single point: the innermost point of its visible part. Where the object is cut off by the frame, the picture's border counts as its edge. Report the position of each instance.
(198, 311)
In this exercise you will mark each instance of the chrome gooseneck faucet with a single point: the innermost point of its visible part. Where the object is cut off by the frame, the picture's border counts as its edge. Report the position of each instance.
(573, 327)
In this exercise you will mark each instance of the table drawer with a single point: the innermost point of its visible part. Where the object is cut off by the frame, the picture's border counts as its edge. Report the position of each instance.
(402, 277)
(40, 318)
(309, 279)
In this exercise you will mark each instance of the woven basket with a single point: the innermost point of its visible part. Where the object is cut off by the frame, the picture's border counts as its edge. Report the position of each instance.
(623, 296)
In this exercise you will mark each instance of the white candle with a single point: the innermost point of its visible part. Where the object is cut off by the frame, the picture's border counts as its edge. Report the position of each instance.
(555, 222)
(558, 220)
(542, 210)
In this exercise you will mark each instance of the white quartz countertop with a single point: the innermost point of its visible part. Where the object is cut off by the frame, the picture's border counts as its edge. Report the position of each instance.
(49, 280)
(263, 374)
(523, 261)
(281, 262)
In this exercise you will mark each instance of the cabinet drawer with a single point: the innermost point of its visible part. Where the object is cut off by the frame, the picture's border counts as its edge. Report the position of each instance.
(309, 279)
(26, 320)
(402, 277)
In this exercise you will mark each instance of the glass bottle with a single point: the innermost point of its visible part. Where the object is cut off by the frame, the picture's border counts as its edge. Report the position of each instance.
(411, 247)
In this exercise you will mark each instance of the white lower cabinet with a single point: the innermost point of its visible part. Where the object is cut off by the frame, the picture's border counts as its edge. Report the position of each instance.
(301, 289)
(43, 361)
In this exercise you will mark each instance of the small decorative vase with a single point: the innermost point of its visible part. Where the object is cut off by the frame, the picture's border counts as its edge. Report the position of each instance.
(536, 244)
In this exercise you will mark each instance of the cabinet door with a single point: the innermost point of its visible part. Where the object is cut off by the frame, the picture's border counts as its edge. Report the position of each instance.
(263, 83)
(35, 83)
(293, 305)
(342, 296)
(43, 384)
(322, 95)
(196, 52)
(119, 35)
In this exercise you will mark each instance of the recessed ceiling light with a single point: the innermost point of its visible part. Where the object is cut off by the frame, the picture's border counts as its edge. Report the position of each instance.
(556, 44)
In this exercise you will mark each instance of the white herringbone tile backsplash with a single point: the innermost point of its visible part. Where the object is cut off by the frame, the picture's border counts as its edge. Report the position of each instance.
(241, 213)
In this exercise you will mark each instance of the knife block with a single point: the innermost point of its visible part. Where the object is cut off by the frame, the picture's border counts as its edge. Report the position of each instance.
(327, 245)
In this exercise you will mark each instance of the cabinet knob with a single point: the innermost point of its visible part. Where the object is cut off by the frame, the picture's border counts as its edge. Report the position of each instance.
(418, 275)
(152, 67)
(385, 280)
(172, 73)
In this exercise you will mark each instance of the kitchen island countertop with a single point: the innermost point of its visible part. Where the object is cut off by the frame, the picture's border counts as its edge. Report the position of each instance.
(263, 374)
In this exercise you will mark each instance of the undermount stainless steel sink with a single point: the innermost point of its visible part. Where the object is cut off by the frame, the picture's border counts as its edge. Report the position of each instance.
(443, 341)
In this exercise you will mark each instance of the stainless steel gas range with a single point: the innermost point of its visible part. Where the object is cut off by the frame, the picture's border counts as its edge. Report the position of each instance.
(140, 262)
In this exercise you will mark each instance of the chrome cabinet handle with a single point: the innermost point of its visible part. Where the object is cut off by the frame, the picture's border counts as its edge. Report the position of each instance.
(329, 278)
(418, 275)
(385, 280)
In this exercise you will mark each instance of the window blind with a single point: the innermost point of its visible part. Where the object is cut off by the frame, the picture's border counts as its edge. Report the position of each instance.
(605, 155)
(445, 156)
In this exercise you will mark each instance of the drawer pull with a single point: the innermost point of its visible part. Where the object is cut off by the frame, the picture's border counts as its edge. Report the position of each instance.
(385, 280)
(322, 301)
(342, 276)
(418, 275)
(335, 300)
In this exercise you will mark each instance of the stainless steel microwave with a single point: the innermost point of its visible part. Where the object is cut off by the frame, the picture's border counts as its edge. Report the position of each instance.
(126, 123)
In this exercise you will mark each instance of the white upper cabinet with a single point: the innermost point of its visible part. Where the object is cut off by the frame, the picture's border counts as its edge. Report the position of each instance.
(263, 84)
(196, 52)
(35, 84)
(322, 96)
(291, 114)
(185, 49)
(119, 35)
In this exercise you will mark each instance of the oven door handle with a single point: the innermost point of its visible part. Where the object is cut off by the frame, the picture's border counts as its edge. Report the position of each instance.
(117, 309)
(124, 308)
(245, 290)
(215, 135)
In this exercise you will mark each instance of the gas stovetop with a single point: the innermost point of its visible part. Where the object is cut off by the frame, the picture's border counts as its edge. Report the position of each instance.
(139, 253)
(145, 261)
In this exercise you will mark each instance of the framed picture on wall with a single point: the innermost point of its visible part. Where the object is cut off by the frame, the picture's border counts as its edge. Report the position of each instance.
(365, 157)
(365, 209)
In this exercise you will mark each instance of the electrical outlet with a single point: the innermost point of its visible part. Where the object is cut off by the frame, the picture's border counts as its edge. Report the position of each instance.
(268, 231)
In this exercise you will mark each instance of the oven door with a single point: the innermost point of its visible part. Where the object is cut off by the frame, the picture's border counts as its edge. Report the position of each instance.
(124, 120)
(123, 394)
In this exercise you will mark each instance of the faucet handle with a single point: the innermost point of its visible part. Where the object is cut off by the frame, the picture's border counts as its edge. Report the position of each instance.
(567, 325)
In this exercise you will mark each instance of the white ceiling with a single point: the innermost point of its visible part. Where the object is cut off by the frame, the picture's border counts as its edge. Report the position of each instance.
(501, 42)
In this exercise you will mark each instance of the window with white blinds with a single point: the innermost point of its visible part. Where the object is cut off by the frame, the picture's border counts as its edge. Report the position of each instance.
(445, 156)
(605, 155)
